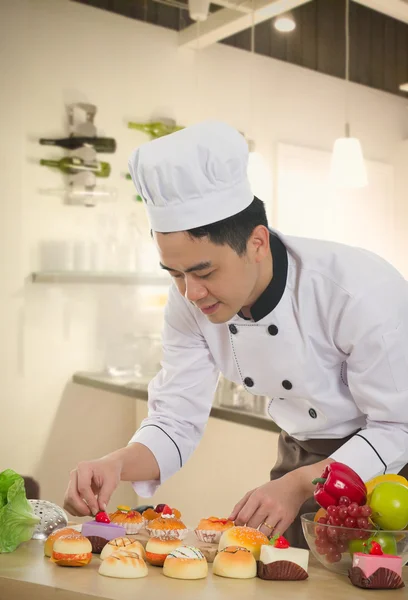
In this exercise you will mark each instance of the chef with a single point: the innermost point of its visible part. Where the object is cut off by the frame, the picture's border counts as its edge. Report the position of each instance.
(319, 328)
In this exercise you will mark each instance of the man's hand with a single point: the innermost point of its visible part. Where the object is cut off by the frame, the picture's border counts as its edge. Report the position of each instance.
(274, 506)
(93, 482)
(91, 485)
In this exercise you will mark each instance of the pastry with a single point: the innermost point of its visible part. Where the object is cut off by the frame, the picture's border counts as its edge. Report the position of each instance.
(157, 550)
(167, 527)
(235, 562)
(152, 513)
(49, 542)
(131, 520)
(124, 564)
(245, 537)
(210, 530)
(279, 561)
(72, 551)
(186, 562)
(122, 543)
(100, 531)
(375, 570)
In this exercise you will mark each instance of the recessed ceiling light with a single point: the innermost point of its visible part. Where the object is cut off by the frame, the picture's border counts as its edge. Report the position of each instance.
(284, 23)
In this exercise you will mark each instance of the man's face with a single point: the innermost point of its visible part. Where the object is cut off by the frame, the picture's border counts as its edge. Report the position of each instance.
(212, 277)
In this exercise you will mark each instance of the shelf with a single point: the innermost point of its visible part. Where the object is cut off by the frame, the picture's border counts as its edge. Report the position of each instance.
(93, 277)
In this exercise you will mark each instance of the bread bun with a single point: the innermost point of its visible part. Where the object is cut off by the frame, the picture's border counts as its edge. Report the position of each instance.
(235, 562)
(186, 562)
(124, 564)
(157, 550)
(244, 537)
(122, 543)
(49, 542)
(72, 551)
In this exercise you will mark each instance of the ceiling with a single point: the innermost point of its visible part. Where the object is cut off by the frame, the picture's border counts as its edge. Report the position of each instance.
(378, 38)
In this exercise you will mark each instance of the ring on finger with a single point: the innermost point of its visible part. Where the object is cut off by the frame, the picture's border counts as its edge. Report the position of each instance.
(269, 526)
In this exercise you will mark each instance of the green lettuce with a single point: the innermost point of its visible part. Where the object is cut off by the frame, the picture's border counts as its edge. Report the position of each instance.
(17, 518)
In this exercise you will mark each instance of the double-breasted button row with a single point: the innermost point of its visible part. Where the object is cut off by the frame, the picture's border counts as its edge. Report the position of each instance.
(272, 329)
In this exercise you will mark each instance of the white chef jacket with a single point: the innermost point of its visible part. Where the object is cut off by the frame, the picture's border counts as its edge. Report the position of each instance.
(327, 344)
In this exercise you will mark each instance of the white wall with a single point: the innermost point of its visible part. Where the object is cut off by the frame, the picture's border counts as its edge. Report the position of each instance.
(56, 51)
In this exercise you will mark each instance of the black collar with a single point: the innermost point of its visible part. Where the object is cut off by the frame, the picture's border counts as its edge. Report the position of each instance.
(270, 298)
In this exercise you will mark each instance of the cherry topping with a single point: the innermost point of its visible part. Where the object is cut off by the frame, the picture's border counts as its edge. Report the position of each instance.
(102, 517)
(167, 510)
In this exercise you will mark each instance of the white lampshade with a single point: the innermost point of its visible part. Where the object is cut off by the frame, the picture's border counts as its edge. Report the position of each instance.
(198, 9)
(347, 165)
(285, 23)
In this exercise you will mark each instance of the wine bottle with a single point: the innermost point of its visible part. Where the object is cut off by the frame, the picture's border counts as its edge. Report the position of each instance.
(155, 130)
(100, 144)
(71, 165)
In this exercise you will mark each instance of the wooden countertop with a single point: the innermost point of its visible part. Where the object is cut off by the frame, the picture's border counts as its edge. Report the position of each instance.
(26, 574)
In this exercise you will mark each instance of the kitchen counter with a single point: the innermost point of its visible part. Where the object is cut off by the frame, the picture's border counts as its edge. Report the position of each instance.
(25, 574)
(139, 391)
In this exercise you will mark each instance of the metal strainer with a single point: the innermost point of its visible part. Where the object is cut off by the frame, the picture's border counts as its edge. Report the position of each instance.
(52, 518)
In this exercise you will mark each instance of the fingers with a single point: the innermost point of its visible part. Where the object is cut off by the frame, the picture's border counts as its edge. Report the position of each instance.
(237, 508)
(84, 487)
(73, 502)
(248, 510)
(106, 491)
(270, 526)
(258, 517)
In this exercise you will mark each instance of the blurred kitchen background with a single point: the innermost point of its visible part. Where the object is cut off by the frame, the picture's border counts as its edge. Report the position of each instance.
(80, 289)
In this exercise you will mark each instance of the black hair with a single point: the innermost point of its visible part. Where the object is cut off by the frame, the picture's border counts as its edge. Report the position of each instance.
(234, 231)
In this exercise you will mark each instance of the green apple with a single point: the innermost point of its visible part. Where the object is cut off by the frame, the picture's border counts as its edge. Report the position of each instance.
(389, 503)
(386, 540)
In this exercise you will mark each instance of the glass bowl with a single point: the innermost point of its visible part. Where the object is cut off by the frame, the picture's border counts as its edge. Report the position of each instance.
(333, 546)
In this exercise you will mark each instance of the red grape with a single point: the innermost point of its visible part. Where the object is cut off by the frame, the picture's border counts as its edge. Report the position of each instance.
(321, 532)
(344, 501)
(366, 511)
(350, 522)
(322, 520)
(343, 512)
(332, 533)
(353, 509)
(333, 557)
(363, 523)
(321, 543)
(342, 547)
(332, 511)
(321, 550)
(334, 521)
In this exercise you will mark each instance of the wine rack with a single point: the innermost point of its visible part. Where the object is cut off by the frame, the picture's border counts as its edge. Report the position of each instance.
(81, 166)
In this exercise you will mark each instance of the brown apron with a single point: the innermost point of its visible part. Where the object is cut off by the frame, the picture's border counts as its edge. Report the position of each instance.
(293, 454)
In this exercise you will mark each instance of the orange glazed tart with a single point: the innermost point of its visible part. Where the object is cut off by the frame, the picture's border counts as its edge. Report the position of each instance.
(210, 530)
(131, 520)
(154, 513)
(167, 527)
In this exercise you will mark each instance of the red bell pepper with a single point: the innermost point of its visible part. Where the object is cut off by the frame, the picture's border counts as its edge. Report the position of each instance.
(339, 480)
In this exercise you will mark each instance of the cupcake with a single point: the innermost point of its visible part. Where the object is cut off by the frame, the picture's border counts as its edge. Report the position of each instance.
(167, 526)
(131, 520)
(210, 530)
(152, 513)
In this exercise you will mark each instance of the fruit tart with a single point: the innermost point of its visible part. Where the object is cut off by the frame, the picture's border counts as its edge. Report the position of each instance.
(131, 520)
(167, 526)
(210, 530)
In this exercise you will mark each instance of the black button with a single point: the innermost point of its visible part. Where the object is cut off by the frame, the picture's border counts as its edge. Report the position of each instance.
(287, 385)
(313, 413)
(233, 329)
(273, 330)
(249, 382)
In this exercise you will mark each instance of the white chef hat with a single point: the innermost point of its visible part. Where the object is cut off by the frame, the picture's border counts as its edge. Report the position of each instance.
(193, 177)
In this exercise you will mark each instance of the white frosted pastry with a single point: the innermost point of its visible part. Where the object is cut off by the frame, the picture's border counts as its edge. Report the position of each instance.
(186, 562)
(300, 557)
(123, 565)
